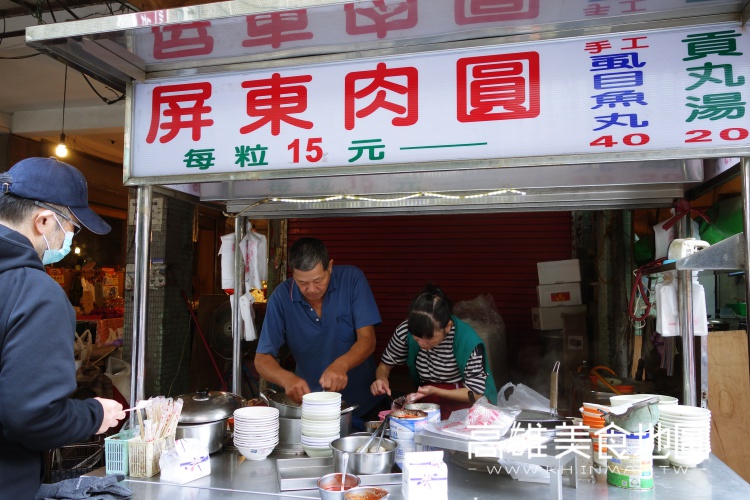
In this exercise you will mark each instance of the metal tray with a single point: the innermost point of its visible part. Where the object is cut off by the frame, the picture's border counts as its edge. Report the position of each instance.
(303, 474)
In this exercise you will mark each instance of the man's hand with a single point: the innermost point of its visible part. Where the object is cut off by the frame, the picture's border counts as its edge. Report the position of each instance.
(380, 386)
(296, 389)
(112, 414)
(334, 377)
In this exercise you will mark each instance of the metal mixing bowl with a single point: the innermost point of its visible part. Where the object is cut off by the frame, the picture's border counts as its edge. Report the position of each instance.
(363, 463)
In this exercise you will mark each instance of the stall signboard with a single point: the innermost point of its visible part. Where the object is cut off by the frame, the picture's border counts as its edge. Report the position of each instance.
(676, 89)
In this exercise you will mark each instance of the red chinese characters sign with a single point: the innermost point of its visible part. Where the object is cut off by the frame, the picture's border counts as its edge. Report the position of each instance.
(588, 95)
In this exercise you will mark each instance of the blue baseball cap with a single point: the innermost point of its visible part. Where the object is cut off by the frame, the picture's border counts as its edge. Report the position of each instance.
(52, 181)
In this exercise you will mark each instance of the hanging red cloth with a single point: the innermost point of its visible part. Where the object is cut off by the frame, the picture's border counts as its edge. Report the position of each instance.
(681, 209)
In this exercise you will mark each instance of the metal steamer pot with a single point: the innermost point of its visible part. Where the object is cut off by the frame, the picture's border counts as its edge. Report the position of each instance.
(290, 415)
(204, 416)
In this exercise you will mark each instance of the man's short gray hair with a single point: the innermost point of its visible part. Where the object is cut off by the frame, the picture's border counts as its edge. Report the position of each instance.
(306, 253)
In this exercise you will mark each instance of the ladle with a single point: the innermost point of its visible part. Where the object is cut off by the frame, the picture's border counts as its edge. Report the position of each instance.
(143, 403)
(343, 473)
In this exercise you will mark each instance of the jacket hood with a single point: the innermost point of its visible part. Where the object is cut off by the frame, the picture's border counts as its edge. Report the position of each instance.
(16, 251)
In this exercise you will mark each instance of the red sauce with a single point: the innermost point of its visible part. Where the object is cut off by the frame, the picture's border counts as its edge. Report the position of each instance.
(374, 494)
(336, 487)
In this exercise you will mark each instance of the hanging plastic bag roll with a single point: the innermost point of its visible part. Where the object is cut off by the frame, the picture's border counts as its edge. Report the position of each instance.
(667, 318)
(247, 314)
(700, 317)
(227, 261)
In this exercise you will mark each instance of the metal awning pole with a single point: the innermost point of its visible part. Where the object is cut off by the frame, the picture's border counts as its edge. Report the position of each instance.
(239, 282)
(140, 291)
(685, 299)
(745, 170)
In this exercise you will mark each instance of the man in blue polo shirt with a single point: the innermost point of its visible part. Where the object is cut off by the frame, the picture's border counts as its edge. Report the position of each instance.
(327, 318)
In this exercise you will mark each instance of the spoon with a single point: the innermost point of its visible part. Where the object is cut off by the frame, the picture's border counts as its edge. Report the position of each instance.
(143, 403)
(343, 474)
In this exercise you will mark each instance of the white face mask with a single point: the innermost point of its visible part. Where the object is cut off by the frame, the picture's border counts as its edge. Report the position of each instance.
(51, 256)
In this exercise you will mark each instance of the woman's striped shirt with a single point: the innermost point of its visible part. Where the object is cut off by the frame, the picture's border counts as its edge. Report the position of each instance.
(437, 365)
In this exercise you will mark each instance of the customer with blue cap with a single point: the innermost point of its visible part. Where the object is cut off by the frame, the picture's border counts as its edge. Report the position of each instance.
(43, 204)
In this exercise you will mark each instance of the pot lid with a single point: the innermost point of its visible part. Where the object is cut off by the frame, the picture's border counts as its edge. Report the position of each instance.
(208, 406)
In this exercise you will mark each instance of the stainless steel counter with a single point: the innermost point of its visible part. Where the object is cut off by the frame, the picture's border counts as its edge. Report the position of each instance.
(234, 477)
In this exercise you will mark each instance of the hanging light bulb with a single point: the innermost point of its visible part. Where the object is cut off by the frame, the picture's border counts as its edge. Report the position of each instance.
(62, 150)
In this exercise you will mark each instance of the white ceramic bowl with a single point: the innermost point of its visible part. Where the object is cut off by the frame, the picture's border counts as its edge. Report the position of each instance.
(256, 413)
(330, 414)
(256, 428)
(320, 434)
(256, 453)
(256, 437)
(321, 398)
(318, 441)
(685, 412)
(631, 398)
(321, 424)
(317, 452)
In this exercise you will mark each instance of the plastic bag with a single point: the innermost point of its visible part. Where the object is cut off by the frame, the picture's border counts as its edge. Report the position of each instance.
(119, 372)
(523, 397)
(482, 422)
(187, 461)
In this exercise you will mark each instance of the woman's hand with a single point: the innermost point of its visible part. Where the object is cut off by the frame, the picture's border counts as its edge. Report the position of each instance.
(380, 386)
(426, 390)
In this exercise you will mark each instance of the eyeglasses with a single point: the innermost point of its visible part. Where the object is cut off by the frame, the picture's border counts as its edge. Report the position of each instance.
(56, 211)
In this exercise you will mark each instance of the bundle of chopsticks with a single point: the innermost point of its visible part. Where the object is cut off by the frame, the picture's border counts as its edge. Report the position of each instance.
(162, 415)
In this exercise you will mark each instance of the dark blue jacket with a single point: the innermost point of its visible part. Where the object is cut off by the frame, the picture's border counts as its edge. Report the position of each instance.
(37, 369)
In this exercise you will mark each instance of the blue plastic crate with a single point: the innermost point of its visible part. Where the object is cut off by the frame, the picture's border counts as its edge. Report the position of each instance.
(116, 452)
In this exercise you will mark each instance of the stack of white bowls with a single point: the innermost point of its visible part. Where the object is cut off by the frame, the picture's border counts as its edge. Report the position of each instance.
(684, 434)
(256, 431)
(321, 422)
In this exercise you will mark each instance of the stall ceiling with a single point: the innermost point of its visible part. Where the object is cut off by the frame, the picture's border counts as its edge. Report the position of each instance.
(119, 50)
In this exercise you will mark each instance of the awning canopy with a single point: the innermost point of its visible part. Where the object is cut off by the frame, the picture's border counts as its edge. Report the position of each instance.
(133, 51)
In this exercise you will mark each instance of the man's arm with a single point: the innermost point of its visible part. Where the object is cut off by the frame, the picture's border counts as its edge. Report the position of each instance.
(334, 377)
(270, 369)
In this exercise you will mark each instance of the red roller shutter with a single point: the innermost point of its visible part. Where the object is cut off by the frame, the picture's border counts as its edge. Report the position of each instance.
(467, 255)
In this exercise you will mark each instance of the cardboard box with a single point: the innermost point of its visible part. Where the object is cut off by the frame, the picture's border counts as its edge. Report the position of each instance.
(562, 294)
(559, 271)
(550, 318)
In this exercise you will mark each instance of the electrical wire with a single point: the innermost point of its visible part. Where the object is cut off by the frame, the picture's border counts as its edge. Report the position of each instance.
(51, 12)
(20, 57)
(107, 101)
